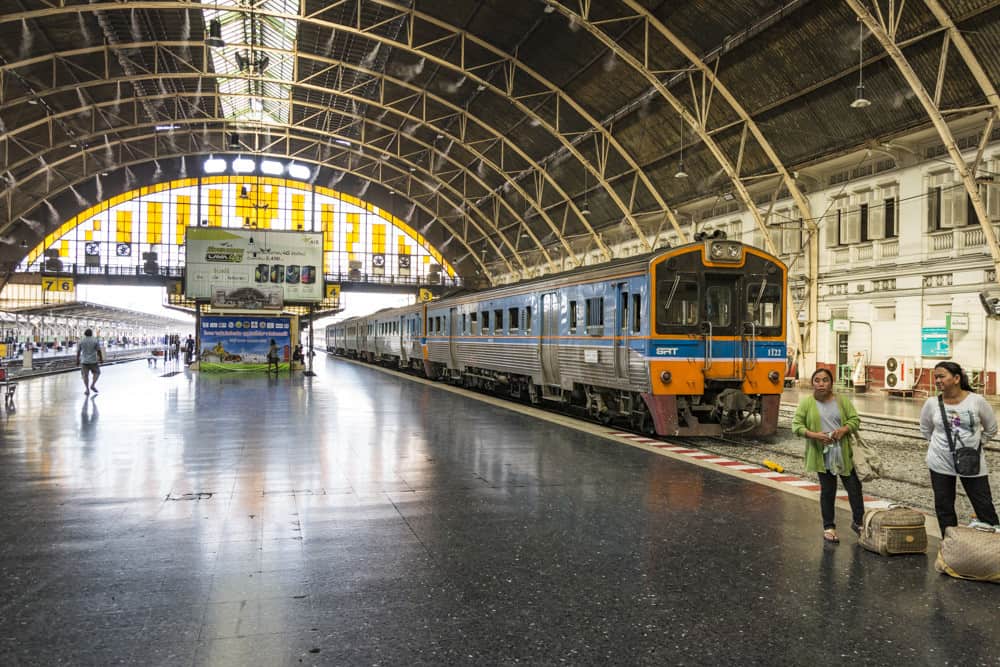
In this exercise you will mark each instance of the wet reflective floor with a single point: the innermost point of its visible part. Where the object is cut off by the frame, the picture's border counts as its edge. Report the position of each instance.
(362, 519)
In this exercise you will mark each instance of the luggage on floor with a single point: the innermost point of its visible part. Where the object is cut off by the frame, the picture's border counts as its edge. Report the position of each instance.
(897, 530)
(970, 553)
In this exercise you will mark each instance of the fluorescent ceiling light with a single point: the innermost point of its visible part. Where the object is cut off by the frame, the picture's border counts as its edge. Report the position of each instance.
(242, 165)
(342, 142)
(214, 165)
(299, 171)
(271, 168)
(166, 128)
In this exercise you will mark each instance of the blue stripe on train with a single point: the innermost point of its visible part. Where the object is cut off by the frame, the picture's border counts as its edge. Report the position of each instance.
(682, 348)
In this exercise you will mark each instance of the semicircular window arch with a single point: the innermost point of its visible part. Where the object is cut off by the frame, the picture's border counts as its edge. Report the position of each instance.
(359, 239)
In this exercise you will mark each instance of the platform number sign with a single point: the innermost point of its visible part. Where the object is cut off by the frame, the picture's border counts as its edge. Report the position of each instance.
(58, 285)
(333, 292)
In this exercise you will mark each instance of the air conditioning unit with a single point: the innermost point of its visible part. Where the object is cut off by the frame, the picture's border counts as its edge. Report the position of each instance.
(900, 373)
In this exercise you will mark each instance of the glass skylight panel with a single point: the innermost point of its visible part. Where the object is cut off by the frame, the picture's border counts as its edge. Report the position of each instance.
(254, 80)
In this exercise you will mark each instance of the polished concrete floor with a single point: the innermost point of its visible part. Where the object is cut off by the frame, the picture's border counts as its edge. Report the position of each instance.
(363, 519)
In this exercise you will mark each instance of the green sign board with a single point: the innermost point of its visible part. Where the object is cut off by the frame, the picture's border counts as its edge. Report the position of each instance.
(935, 342)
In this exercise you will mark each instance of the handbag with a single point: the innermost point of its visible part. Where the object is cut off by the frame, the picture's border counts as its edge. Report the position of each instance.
(966, 458)
(867, 462)
(970, 553)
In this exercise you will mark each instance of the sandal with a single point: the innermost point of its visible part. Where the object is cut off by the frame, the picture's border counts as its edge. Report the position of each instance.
(830, 535)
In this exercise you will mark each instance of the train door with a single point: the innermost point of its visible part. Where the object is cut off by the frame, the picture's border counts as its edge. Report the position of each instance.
(621, 331)
(720, 321)
(548, 339)
(402, 337)
(453, 337)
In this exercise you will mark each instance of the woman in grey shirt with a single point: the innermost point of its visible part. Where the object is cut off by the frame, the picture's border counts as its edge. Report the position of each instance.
(972, 424)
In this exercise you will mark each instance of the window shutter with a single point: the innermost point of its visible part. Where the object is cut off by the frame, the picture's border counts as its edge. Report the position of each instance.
(876, 220)
(832, 223)
(853, 234)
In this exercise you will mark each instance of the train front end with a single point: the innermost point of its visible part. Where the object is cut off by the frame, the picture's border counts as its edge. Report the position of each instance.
(717, 339)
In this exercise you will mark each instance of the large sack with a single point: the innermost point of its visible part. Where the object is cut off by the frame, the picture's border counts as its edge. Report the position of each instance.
(970, 553)
(897, 530)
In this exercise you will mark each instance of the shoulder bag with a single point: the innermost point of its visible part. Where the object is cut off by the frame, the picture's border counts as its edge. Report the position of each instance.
(966, 458)
(867, 462)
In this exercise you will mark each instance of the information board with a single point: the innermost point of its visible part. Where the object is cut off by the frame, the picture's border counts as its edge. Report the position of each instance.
(935, 342)
(262, 260)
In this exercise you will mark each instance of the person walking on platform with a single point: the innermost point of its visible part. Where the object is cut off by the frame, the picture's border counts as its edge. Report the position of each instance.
(272, 357)
(89, 356)
(971, 424)
(189, 350)
(825, 419)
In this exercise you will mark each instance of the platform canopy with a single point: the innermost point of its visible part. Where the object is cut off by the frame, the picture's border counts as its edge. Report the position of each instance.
(515, 133)
(95, 312)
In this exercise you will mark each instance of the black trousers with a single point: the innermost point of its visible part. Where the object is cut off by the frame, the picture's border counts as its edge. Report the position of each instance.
(978, 490)
(828, 496)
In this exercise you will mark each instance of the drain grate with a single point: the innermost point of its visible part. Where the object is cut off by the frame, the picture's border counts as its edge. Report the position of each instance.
(201, 495)
(170, 374)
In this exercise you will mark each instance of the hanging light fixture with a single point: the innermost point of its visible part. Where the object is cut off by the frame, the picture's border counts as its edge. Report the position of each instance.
(860, 101)
(585, 209)
(680, 163)
(214, 38)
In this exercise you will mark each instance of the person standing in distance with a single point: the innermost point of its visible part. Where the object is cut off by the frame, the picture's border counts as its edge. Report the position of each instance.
(272, 357)
(972, 424)
(89, 356)
(824, 420)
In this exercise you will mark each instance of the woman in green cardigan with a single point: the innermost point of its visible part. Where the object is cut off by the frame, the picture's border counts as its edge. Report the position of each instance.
(824, 420)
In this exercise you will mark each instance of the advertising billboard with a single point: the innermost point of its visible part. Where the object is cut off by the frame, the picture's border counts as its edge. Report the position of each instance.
(229, 260)
(241, 342)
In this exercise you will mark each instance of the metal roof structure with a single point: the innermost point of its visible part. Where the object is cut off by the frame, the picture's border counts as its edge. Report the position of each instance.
(533, 129)
(84, 310)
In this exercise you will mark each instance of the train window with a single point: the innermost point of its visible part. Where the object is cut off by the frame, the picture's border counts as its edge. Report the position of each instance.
(512, 320)
(595, 316)
(764, 303)
(636, 313)
(677, 301)
(624, 315)
(474, 324)
(486, 322)
(719, 305)
(527, 319)
(498, 321)
(465, 324)
(574, 317)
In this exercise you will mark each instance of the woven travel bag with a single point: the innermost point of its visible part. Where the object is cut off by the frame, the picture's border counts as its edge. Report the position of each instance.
(897, 530)
(970, 553)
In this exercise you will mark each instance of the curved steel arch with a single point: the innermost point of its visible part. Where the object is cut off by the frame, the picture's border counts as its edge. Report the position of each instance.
(511, 66)
(884, 31)
(699, 126)
(390, 131)
(435, 214)
(459, 111)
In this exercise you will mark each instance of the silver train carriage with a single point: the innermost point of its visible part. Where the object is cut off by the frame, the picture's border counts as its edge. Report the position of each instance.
(685, 341)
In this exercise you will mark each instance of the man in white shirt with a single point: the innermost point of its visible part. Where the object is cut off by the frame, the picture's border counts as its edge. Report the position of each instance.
(89, 356)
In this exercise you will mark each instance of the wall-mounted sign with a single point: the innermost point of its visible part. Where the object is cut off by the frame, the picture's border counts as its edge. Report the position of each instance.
(957, 321)
(840, 325)
(231, 259)
(935, 342)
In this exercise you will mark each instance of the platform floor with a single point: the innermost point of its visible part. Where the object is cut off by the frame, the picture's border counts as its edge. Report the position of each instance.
(360, 519)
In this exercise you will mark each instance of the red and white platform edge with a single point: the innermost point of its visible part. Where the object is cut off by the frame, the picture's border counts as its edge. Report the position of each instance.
(871, 502)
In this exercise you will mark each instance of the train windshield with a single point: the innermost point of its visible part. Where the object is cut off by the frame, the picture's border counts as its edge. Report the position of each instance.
(677, 298)
(763, 304)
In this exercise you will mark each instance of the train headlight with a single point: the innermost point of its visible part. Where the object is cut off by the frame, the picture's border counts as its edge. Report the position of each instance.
(773, 377)
(724, 251)
(665, 376)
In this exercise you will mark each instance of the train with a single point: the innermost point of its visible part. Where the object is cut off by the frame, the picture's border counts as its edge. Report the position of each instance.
(684, 341)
